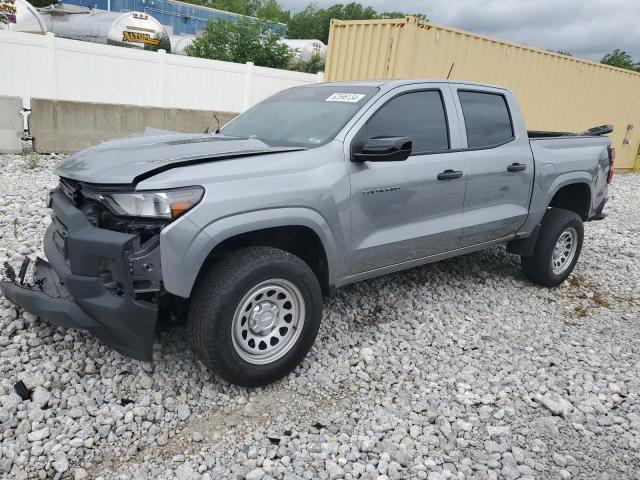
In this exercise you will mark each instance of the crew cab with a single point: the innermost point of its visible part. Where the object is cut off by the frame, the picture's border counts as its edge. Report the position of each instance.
(245, 230)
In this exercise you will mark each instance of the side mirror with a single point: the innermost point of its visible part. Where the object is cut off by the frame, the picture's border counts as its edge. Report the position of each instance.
(384, 149)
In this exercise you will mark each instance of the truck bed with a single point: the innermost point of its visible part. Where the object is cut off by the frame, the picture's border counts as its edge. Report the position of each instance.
(557, 158)
(592, 132)
(533, 134)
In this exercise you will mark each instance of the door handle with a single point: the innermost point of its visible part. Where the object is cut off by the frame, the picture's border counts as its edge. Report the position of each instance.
(449, 175)
(516, 167)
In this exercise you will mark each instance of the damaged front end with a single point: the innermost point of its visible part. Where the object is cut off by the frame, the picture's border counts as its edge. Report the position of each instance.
(103, 272)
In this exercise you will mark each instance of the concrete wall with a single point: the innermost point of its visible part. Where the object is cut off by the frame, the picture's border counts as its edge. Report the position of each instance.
(10, 125)
(66, 127)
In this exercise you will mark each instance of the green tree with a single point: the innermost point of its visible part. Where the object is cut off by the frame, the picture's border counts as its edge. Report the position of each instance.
(243, 7)
(243, 41)
(314, 22)
(311, 22)
(272, 10)
(42, 3)
(314, 65)
(264, 9)
(621, 59)
(421, 16)
(306, 23)
(351, 11)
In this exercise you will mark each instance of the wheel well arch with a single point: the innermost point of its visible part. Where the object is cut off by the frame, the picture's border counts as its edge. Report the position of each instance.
(575, 197)
(298, 240)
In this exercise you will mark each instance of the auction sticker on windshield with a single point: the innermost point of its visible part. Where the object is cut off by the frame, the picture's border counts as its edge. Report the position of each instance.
(345, 97)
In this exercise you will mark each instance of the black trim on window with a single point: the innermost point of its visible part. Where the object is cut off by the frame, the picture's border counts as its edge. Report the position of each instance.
(506, 103)
(489, 147)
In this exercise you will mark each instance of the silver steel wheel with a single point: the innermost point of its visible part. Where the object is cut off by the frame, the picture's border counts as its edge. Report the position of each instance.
(268, 321)
(564, 251)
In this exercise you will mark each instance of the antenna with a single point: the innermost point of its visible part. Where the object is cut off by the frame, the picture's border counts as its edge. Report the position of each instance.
(450, 70)
(218, 122)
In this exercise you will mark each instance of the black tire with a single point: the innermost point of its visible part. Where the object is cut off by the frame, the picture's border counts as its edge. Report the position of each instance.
(539, 267)
(217, 297)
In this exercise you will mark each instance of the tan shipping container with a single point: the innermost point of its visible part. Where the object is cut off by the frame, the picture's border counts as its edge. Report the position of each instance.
(556, 92)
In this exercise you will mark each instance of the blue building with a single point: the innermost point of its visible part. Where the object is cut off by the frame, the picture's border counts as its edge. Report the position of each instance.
(180, 17)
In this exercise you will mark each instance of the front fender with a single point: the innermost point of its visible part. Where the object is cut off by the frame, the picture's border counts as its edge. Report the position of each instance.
(184, 247)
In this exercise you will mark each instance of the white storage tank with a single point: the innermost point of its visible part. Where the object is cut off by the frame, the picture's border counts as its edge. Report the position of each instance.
(179, 43)
(127, 29)
(305, 49)
(21, 16)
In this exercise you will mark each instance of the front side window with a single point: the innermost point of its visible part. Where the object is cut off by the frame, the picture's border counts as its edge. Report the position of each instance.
(487, 119)
(417, 115)
(302, 116)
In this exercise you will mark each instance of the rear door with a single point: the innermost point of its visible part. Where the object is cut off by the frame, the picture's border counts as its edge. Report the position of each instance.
(500, 165)
(401, 211)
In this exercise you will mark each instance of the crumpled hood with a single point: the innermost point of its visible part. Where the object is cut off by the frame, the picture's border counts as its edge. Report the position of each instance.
(128, 160)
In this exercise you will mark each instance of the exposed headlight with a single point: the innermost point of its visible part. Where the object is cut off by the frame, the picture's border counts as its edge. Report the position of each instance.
(169, 204)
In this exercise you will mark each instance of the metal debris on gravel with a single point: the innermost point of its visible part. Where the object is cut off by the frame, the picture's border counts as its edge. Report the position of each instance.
(460, 369)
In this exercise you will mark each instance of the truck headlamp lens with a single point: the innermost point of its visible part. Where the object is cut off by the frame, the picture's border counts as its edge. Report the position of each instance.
(168, 204)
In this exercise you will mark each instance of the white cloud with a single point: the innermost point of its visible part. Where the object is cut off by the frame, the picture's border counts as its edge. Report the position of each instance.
(587, 28)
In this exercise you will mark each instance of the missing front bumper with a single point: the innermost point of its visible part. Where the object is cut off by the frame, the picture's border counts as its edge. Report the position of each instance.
(70, 291)
(46, 297)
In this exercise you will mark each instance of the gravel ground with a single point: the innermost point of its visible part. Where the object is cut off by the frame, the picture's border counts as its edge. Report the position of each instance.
(461, 369)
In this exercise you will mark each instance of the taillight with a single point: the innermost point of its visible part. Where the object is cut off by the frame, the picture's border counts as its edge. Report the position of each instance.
(612, 159)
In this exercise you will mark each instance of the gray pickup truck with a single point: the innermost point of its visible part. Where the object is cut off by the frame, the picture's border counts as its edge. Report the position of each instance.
(243, 231)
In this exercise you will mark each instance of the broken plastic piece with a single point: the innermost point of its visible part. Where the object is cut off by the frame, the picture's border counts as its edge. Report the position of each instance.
(23, 269)
(23, 392)
(9, 272)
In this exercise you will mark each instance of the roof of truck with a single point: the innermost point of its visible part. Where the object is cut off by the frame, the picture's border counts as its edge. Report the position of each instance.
(389, 84)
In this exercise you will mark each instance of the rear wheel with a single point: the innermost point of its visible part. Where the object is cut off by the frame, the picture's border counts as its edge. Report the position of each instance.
(557, 249)
(254, 315)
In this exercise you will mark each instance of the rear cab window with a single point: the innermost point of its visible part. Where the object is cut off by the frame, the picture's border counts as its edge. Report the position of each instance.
(487, 118)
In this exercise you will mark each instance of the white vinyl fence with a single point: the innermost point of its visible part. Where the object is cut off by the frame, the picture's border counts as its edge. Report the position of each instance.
(45, 66)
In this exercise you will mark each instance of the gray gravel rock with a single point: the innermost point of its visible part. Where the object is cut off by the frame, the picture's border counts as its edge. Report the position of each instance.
(255, 474)
(555, 404)
(5, 465)
(33, 381)
(80, 474)
(40, 396)
(459, 369)
(183, 412)
(38, 435)
(10, 402)
(60, 462)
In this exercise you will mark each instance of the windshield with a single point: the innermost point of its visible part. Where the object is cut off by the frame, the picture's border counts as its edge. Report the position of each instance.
(301, 116)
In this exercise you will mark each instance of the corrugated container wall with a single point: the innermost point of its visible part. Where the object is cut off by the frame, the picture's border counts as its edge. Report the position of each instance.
(556, 92)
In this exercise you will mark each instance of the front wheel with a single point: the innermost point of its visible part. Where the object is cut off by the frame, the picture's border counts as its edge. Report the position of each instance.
(254, 315)
(557, 249)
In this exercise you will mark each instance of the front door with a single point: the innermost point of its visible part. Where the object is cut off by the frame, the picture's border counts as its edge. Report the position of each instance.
(407, 210)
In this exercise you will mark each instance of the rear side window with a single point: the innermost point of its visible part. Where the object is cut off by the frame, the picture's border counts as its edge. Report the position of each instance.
(487, 119)
(417, 115)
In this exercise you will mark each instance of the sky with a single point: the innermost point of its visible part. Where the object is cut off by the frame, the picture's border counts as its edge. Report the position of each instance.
(587, 28)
